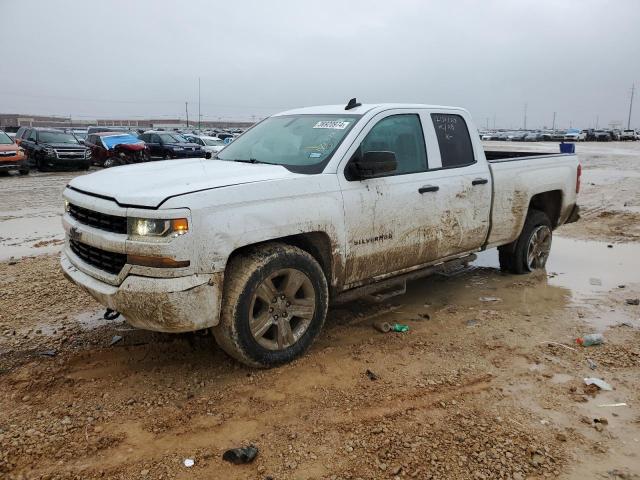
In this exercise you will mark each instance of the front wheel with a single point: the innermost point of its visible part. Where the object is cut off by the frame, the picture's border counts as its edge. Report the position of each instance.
(275, 303)
(110, 162)
(531, 250)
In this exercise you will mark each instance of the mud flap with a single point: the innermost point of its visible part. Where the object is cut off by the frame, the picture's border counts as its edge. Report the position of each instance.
(574, 216)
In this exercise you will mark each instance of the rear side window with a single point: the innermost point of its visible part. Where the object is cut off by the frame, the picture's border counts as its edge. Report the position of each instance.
(455, 145)
(32, 135)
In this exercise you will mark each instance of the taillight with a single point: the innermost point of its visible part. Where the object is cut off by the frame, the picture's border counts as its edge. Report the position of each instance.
(578, 178)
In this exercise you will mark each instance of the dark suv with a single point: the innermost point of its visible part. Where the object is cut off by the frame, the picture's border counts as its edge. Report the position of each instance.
(170, 145)
(48, 148)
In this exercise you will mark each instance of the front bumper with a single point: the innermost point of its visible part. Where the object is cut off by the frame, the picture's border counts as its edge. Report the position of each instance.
(55, 162)
(14, 164)
(181, 304)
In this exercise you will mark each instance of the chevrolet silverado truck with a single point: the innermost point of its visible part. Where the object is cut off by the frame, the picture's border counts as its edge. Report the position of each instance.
(309, 207)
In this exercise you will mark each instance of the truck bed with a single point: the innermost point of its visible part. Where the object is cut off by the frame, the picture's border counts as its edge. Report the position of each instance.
(507, 155)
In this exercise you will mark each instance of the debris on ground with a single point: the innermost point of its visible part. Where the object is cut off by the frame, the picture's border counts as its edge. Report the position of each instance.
(110, 314)
(633, 301)
(189, 462)
(591, 339)
(621, 404)
(382, 326)
(399, 327)
(48, 353)
(598, 382)
(595, 282)
(241, 455)
(115, 339)
(372, 376)
(592, 365)
(472, 323)
(490, 299)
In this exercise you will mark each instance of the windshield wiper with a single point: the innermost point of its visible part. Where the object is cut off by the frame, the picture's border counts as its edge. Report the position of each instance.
(251, 160)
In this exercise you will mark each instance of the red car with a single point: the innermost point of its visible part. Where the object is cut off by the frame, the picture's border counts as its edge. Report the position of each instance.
(109, 149)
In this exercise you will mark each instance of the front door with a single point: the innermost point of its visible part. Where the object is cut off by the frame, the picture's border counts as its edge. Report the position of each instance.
(389, 221)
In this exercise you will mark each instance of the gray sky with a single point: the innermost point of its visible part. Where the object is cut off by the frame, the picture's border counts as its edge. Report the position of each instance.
(141, 59)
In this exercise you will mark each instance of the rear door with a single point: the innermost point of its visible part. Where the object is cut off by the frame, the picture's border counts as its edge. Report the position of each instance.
(465, 185)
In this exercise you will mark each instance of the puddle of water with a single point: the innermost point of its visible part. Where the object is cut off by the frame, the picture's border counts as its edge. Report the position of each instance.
(586, 268)
(19, 236)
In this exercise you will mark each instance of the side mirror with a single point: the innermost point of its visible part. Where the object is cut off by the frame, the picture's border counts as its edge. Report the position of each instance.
(373, 164)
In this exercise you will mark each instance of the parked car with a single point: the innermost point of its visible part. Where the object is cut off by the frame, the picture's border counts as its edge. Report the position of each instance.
(602, 136)
(109, 149)
(49, 148)
(209, 144)
(170, 145)
(629, 135)
(12, 156)
(309, 207)
(532, 137)
(575, 135)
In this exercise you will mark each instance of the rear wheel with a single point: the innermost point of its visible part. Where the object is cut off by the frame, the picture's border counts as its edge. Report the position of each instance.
(275, 303)
(24, 171)
(531, 250)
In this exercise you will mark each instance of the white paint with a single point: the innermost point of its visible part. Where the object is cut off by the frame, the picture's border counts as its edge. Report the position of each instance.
(230, 205)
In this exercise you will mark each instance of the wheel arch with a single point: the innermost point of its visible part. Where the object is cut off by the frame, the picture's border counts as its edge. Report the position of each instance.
(318, 244)
(550, 203)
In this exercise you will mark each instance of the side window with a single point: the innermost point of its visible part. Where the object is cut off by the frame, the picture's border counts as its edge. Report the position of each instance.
(402, 135)
(32, 135)
(154, 138)
(455, 145)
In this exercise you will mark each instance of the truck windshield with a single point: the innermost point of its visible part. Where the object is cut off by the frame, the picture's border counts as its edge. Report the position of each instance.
(56, 137)
(301, 143)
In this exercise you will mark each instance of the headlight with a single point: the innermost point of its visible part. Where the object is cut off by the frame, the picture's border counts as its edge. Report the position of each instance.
(66, 205)
(153, 227)
(87, 154)
(49, 151)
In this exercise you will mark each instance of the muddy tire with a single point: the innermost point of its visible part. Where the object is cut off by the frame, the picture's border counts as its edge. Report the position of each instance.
(110, 162)
(531, 250)
(274, 305)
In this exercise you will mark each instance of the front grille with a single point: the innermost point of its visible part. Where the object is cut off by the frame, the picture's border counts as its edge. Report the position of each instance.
(110, 262)
(69, 153)
(110, 223)
(9, 153)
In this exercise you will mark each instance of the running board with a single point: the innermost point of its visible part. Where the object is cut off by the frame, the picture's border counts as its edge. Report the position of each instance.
(395, 284)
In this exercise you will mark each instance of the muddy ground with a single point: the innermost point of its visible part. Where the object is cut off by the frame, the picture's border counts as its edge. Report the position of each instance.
(488, 382)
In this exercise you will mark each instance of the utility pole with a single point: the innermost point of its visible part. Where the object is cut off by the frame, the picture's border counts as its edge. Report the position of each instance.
(186, 109)
(633, 89)
(554, 122)
(525, 116)
(597, 118)
(487, 123)
(494, 121)
(199, 115)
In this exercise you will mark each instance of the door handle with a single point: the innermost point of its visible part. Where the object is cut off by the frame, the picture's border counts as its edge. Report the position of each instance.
(428, 188)
(479, 181)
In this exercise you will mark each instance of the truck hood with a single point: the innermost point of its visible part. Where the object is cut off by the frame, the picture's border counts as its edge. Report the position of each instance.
(149, 184)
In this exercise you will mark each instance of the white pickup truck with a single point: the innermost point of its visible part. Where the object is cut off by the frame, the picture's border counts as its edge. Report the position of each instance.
(309, 207)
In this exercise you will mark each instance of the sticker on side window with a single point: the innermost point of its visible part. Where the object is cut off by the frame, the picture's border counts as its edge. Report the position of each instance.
(334, 124)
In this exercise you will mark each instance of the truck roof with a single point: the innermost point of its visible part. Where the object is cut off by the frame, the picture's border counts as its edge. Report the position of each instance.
(361, 110)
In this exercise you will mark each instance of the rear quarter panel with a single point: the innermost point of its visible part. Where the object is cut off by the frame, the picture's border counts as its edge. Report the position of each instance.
(517, 181)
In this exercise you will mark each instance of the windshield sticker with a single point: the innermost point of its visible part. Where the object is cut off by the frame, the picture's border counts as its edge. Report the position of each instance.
(315, 155)
(333, 124)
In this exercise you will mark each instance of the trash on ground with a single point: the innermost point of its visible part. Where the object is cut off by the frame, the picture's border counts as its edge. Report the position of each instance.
(591, 339)
(372, 376)
(110, 314)
(633, 301)
(189, 462)
(592, 365)
(382, 326)
(473, 323)
(48, 353)
(621, 404)
(595, 281)
(598, 382)
(490, 299)
(399, 327)
(549, 342)
(115, 339)
(241, 455)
